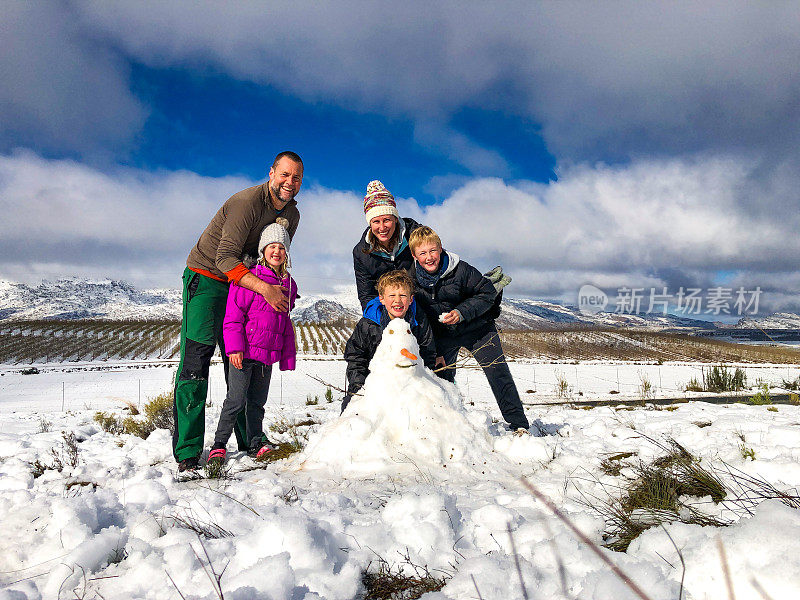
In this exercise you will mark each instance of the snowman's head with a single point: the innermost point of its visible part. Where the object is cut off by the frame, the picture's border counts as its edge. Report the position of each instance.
(398, 348)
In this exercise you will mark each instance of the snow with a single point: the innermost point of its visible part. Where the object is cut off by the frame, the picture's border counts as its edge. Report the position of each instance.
(111, 526)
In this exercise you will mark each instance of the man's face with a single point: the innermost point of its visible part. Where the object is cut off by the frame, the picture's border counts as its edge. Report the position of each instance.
(428, 254)
(396, 299)
(285, 179)
(382, 227)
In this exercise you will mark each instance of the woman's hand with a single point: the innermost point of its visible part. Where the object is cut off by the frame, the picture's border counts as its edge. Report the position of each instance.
(450, 318)
(236, 359)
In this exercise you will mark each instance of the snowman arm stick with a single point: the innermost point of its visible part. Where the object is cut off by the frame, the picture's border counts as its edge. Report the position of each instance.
(330, 385)
(461, 363)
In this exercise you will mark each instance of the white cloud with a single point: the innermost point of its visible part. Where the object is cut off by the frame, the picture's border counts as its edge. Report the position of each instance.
(653, 223)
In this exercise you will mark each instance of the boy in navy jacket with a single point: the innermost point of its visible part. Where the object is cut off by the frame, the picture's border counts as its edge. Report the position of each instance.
(395, 300)
(460, 304)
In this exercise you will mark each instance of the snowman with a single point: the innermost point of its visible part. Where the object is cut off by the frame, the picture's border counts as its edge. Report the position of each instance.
(404, 420)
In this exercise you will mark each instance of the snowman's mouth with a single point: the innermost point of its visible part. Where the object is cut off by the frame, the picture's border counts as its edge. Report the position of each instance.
(411, 357)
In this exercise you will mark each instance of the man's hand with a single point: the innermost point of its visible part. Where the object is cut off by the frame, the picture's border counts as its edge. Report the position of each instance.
(276, 296)
(439, 362)
(236, 359)
(450, 318)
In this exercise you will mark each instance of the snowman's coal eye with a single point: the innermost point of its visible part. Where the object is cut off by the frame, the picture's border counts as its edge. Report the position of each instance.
(408, 331)
(391, 331)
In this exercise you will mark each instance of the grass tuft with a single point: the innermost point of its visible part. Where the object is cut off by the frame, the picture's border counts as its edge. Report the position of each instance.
(762, 397)
(658, 494)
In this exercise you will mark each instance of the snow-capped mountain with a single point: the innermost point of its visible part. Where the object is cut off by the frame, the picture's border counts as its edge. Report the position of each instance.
(779, 320)
(519, 313)
(74, 298)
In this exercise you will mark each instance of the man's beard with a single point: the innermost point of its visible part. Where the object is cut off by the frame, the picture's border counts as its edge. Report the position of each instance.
(276, 194)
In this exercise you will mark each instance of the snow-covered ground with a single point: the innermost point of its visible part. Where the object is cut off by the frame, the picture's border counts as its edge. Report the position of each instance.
(110, 527)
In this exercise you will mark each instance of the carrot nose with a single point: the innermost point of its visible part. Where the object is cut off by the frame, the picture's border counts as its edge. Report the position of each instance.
(407, 354)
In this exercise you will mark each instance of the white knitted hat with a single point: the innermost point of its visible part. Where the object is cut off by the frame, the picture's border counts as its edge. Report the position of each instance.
(276, 233)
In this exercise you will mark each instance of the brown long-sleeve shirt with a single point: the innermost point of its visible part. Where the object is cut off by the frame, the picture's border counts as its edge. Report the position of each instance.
(235, 230)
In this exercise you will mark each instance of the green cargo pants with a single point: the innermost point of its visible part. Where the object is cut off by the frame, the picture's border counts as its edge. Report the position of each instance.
(204, 301)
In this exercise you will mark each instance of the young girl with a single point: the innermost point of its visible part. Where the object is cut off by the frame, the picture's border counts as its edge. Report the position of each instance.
(256, 336)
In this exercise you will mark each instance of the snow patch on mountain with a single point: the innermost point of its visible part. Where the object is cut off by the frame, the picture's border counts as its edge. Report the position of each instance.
(74, 298)
(774, 321)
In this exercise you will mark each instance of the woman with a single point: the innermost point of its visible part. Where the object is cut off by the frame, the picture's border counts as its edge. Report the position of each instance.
(384, 246)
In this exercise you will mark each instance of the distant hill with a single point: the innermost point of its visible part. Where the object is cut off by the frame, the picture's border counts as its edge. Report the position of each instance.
(75, 298)
(774, 321)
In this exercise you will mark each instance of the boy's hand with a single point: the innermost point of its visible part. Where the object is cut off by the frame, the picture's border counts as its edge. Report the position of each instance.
(450, 318)
(236, 359)
(439, 362)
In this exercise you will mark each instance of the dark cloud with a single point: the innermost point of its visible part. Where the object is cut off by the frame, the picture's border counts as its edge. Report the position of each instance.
(62, 91)
(606, 81)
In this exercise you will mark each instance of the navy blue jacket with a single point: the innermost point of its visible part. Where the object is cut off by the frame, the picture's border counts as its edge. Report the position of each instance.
(460, 287)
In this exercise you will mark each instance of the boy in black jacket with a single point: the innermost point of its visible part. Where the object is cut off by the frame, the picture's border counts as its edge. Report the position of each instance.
(395, 300)
(460, 305)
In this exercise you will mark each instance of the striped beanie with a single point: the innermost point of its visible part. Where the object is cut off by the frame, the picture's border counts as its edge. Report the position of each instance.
(379, 201)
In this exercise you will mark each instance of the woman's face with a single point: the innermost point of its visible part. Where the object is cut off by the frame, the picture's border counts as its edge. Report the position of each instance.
(382, 227)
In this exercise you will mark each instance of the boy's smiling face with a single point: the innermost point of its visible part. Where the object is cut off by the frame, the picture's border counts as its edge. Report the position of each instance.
(428, 254)
(396, 299)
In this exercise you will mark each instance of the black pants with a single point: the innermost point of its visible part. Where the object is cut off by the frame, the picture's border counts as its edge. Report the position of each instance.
(247, 389)
(484, 345)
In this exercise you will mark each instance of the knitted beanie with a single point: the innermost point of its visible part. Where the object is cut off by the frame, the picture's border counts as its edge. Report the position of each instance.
(379, 201)
(276, 233)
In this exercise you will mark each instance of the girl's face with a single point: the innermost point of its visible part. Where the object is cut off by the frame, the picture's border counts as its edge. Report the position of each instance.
(382, 227)
(275, 254)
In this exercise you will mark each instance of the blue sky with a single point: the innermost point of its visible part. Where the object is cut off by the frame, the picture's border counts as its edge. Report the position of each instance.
(627, 144)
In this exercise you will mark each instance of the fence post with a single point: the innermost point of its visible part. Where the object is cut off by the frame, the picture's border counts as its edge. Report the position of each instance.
(63, 385)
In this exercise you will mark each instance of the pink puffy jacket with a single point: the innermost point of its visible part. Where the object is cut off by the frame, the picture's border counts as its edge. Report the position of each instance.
(253, 327)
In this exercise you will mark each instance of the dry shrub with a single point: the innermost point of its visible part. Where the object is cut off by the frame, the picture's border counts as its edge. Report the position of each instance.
(394, 582)
(612, 465)
(109, 423)
(157, 415)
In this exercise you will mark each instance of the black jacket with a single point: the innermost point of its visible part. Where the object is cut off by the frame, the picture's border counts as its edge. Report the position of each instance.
(368, 333)
(369, 266)
(461, 287)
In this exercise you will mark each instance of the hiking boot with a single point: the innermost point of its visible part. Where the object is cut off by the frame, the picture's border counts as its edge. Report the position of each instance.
(259, 452)
(521, 432)
(189, 464)
(217, 455)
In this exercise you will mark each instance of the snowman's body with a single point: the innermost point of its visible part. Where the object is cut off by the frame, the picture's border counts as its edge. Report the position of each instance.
(405, 418)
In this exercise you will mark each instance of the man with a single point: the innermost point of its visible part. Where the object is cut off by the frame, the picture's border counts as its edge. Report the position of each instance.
(214, 262)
